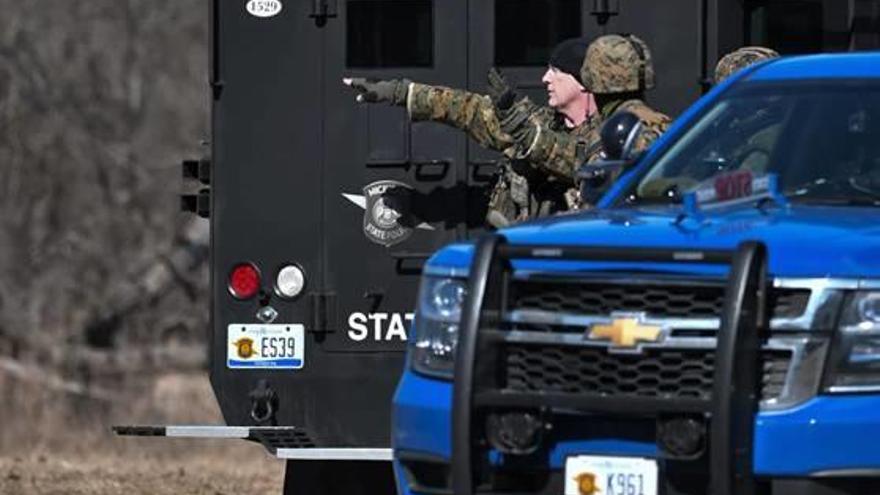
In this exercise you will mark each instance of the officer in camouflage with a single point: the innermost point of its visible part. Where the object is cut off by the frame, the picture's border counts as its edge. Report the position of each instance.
(761, 127)
(749, 138)
(520, 191)
(740, 59)
(618, 70)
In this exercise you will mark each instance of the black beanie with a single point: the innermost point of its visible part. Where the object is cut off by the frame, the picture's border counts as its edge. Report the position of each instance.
(568, 56)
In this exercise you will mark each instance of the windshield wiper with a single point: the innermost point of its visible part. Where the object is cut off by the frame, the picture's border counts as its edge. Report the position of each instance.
(818, 200)
(869, 196)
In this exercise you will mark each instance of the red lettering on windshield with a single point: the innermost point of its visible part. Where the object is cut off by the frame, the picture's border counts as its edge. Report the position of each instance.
(734, 185)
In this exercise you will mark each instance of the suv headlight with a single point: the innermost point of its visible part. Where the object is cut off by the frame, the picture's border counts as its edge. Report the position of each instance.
(435, 334)
(855, 356)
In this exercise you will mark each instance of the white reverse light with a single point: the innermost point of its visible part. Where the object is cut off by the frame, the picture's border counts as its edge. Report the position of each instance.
(290, 281)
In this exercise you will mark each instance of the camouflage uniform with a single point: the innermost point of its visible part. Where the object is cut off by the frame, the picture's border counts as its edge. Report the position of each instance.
(563, 154)
(520, 191)
(617, 70)
(746, 141)
(740, 59)
(470, 112)
(764, 126)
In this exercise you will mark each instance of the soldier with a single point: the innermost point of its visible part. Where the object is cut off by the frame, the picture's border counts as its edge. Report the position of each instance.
(520, 192)
(618, 70)
(748, 139)
(740, 59)
(763, 126)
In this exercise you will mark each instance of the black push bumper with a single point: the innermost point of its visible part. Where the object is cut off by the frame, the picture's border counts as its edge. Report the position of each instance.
(728, 415)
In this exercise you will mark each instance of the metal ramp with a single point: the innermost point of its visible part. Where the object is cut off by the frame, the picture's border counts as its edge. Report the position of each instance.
(283, 442)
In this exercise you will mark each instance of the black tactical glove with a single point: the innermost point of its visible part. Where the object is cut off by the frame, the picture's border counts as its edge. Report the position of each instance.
(393, 91)
(515, 122)
(512, 112)
(500, 91)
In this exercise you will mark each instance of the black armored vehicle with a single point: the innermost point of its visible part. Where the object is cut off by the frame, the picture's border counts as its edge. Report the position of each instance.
(314, 268)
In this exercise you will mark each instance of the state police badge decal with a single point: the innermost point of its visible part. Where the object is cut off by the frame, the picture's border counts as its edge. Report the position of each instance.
(386, 214)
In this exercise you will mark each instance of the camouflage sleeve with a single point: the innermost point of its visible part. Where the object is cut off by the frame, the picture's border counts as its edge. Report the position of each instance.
(562, 153)
(470, 112)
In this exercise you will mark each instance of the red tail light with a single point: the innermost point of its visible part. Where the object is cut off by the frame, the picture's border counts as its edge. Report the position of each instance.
(244, 281)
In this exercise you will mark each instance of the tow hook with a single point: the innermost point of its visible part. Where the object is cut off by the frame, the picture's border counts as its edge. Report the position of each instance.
(264, 404)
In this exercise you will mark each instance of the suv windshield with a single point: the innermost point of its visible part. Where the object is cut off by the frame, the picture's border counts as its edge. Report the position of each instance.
(820, 138)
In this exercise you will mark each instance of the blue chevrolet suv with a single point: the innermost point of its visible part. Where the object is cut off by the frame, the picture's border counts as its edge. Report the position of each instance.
(713, 326)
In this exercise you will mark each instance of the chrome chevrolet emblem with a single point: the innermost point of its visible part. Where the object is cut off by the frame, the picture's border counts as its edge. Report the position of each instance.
(626, 331)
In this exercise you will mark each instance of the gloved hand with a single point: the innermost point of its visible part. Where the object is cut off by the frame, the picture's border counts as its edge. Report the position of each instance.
(393, 91)
(515, 122)
(500, 90)
(512, 112)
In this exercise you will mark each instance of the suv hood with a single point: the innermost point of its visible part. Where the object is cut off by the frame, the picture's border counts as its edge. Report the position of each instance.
(802, 241)
(815, 241)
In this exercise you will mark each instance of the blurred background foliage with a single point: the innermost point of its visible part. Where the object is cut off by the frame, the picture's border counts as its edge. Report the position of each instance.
(103, 283)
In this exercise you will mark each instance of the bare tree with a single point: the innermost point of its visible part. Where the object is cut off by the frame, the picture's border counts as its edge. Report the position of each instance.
(99, 101)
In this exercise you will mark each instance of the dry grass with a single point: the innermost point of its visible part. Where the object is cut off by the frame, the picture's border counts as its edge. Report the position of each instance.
(52, 443)
(223, 470)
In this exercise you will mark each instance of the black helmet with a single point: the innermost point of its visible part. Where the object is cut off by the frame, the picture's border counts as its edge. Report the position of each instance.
(618, 135)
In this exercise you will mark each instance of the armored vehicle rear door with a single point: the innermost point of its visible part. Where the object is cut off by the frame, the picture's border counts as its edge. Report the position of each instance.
(671, 30)
(808, 26)
(266, 171)
(391, 187)
(293, 156)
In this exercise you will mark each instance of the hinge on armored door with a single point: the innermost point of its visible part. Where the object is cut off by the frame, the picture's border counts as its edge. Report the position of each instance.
(323, 10)
(323, 309)
(604, 10)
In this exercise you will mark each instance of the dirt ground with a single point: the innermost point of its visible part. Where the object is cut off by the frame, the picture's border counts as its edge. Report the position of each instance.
(244, 470)
(51, 443)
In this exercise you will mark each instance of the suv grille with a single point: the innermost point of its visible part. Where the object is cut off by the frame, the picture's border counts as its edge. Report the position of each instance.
(666, 373)
(678, 301)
